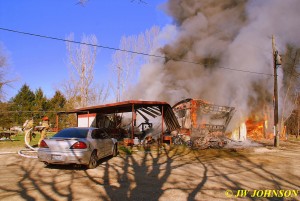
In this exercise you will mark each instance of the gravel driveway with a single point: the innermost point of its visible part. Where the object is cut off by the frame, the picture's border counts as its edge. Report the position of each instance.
(175, 173)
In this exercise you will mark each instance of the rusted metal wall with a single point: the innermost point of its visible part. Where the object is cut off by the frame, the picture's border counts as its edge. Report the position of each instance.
(202, 121)
(198, 115)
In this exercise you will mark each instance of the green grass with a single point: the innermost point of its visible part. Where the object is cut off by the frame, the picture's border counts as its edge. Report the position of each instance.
(125, 150)
(18, 140)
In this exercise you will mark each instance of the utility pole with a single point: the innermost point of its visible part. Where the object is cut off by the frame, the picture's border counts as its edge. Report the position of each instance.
(298, 114)
(276, 62)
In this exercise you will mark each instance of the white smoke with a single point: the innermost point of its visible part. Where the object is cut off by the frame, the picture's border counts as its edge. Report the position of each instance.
(233, 34)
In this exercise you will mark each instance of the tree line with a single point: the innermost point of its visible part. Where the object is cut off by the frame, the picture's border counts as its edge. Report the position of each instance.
(28, 104)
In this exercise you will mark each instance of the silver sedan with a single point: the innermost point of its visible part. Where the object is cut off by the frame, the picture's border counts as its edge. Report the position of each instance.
(84, 146)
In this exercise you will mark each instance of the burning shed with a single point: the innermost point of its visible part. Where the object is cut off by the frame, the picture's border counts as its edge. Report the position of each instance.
(205, 123)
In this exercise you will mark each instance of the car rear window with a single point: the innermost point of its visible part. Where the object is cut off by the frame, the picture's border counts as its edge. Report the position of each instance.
(72, 133)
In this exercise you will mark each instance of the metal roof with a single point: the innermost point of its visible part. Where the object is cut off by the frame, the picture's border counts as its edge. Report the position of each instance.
(118, 107)
(144, 108)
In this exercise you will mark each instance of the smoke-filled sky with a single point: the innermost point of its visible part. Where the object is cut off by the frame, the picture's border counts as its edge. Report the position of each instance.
(233, 34)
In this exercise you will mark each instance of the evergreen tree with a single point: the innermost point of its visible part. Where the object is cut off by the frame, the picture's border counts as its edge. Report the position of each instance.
(40, 105)
(23, 104)
(57, 103)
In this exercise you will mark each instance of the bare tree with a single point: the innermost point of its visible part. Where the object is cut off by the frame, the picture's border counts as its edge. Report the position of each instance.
(98, 93)
(126, 65)
(81, 89)
(83, 2)
(3, 73)
(70, 92)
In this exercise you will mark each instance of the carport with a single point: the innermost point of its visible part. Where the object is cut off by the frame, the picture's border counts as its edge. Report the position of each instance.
(143, 108)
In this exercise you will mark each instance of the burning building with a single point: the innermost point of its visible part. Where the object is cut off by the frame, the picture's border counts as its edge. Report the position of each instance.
(205, 123)
(219, 51)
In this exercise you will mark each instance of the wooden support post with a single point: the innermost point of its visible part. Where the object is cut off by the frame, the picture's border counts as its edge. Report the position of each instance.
(57, 127)
(132, 122)
(162, 123)
(88, 116)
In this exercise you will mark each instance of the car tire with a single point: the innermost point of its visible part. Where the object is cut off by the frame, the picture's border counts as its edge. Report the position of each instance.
(93, 160)
(115, 150)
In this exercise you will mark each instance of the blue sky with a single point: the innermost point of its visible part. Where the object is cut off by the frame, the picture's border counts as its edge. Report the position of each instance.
(42, 62)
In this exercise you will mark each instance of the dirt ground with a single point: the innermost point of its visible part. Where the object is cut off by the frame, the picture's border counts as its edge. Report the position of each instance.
(169, 173)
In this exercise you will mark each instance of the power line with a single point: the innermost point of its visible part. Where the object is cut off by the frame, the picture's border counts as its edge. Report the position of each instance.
(129, 51)
(81, 43)
(27, 111)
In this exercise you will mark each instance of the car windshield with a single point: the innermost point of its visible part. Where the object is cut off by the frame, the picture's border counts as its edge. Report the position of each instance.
(72, 133)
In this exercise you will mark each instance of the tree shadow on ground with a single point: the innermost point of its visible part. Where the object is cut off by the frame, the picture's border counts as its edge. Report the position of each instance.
(75, 166)
(140, 176)
(176, 173)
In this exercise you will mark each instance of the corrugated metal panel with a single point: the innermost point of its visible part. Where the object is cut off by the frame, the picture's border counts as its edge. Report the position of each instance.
(170, 119)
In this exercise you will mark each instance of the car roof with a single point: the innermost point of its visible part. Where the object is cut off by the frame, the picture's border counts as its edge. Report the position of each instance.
(82, 128)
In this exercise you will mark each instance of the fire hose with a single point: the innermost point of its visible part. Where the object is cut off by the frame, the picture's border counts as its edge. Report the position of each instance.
(32, 150)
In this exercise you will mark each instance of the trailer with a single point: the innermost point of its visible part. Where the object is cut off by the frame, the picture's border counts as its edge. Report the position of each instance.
(204, 123)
